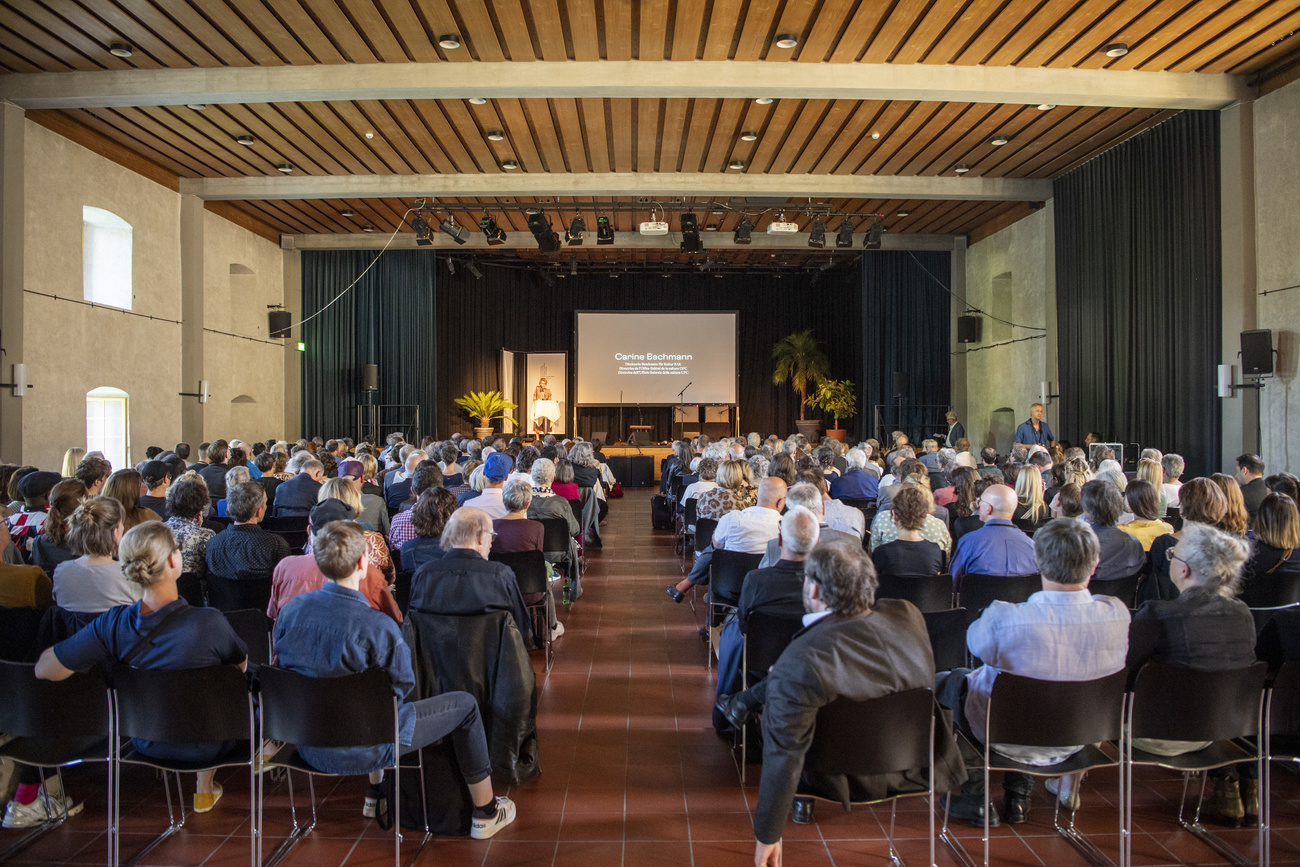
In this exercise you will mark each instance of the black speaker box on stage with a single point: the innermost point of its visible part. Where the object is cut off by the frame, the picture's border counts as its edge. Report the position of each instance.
(902, 383)
(280, 322)
(1257, 352)
(632, 471)
(968, 329)
(370, 377)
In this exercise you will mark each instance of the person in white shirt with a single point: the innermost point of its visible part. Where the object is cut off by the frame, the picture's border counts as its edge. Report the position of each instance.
(495, 472)
(708, 473)
(805, 494)
(1173, 466)
(746, 530)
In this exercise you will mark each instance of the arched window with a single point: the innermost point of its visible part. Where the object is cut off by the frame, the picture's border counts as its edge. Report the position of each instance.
(108, 428)
(106, 257)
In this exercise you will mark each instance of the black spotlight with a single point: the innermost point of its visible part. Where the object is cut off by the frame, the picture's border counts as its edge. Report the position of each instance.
(473, 269)
(494, 234)
(573, 234)
(421, 231)
(604, 231)
(872, 240)
(691, 242)
(844, 239)
(741, 235)
(817, 234)
(459, 234)
(547, 240)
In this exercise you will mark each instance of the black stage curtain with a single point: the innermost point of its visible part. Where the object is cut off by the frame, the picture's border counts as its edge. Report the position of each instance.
(513, 308)
(906, 329)
(1138, 287)
(386, 319)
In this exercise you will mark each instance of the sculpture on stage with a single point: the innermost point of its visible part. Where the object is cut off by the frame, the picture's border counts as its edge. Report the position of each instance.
(546, 412)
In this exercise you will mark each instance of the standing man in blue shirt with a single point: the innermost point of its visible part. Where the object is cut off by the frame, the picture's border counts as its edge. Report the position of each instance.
(1035, 432)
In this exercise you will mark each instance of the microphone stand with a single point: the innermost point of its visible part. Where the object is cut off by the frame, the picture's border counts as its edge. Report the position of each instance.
(620, 413)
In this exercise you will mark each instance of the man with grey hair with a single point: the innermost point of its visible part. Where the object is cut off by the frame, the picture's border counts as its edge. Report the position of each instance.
(930, 454)
(1062, 633)
(852, 646)
(296, 497)
(747, 530)
(805, 495)
(856, 483)
(1173, 465)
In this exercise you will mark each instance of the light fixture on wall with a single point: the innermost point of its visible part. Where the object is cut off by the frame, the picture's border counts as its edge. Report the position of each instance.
(120, 49)
(1046, 106)
(540, 226)
(367, 228)
(345, 213)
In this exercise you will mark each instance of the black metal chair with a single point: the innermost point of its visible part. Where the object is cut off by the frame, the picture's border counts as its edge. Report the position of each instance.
(1282, 737)
(300, 711)
(1271, 591)
(56, 725)
(19, 632)
(1045, 713)
(530, 571)
(686, 528)
(402, 590)
(926, 592)
(292, 528)
(1125, 589)
(947, 630)
(254, 629)
(193, 589)
(766, 636)
(1180, 704)
(230, 594)
(977, 592)
(202, 705)
(555, 542)
(891, 734)
(704, 528)
(727, 571)
(1175, 518)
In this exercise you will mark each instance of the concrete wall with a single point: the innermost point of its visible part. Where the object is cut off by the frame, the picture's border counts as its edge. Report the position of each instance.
(1277, 228)
(1019, 260)
(71, 348)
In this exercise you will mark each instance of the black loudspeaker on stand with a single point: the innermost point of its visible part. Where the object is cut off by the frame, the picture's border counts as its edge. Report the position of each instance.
(370, 377)
(1257, 352)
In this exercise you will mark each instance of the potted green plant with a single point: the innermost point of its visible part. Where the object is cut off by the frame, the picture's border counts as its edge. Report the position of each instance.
(836, 396)
(485, 406)
(800, 360)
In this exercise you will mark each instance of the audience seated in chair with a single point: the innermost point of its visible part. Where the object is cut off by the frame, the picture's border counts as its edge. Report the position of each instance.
(348, 493)
(426, 476)
(187, 502)
(1122, 554)
(910, 553)
(999, 547)
(50, 548)
(427, 521)
(515, 533)
(26, 522)
(244, 550)
(94, 581)
(747, 531)
(298, 495)
(1273, 555)
(837, 516)
(810, 497)
(1203, 502)
(856, 483)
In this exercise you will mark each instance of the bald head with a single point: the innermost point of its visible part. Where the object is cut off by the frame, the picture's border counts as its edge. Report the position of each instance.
(771, 493)
(1001, 500)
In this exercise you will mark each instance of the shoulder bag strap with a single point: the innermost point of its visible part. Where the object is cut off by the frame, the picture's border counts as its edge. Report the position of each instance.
(147, 639)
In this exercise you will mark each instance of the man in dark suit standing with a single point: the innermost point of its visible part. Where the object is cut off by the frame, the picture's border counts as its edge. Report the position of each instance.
(955, 431)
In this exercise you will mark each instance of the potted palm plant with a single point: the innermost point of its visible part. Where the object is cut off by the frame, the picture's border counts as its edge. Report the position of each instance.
(485, 406)
(800, 360)
(837, 397)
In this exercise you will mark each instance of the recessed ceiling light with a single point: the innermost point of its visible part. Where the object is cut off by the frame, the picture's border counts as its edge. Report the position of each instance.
(1116, 49)
(345, 213)
(999, 140)
(367, 228)
(477, 100)
(120, 49)
(903, 213)
(787, 40)
(196, 106)
(764, 100)
(284, 167)
(1046, 106)
(451, 40)
(962, 169)
(749, 135)
(509, 165)
(245, 140)
(496, 135)
(370, 134)
(875, 135)
(736, 164)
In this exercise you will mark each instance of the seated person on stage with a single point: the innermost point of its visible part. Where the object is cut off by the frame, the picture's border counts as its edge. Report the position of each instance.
(295, 497)
(495, 472)
(515, 533)
(171, 636)
(910, 554)
(852, 646)
(428, 519)
(836, 515)
(1206, 629)
(732, 492)
(856, 483)
(1062, 633)
(999, 547)
(465, 581)
(427, 476)
(333, 632)
(244, 550)
(806, 494)
(776, 590)
(748, 531)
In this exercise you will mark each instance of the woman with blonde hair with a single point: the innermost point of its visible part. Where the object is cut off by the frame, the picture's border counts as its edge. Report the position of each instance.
(1235, 520)
(1151, 471)
(734, 492)
(172, 636)
(124, 486)
(71, 458)
(348, 492)
(93, 582)
(1031, 512)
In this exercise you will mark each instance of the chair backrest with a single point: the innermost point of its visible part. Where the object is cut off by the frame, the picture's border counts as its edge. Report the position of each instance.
(1181, 704)
(72, 708)
(349, 711)
(19, 631)
(859, 502)
(1284, 708)
(976, 592)
(690, 511)
(1271, 591)
(198, 705)
(947, 630)
(727, 573)
(285, 524)
(1056, 713)
(402, 590)
(766, 636)
(883, 735)
(1125, 589)
(224, 520)
(704, 528)
(926, 592)
(529, 568)
(190, 586)
(556, 537)
(576, 505)
(60, 623)
(1277, 634)
(227, 594)
(1175, 518)
(253, 628)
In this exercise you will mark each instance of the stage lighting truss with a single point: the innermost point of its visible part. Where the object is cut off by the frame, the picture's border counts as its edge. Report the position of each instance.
(691, 242)
(573, 234)
(547, 240)
(494, 234)
(604, 231)
(844, 240)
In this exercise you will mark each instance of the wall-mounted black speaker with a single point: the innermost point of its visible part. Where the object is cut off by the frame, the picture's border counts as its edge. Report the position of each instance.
(370, 377)
(968, 329)
(902, 383)
(1257, 352)
(280, 322)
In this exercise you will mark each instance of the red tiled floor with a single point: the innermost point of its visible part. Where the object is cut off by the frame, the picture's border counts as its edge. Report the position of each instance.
(632, 772)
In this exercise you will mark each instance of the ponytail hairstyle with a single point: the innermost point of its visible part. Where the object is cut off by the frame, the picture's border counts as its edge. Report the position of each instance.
(92, 525)
(65, 498)
(144, 552)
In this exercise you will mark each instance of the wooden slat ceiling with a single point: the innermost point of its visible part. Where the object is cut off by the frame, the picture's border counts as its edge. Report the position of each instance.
(1235, 36)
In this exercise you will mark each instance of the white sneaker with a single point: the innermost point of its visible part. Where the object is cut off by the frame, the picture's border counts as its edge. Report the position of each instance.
(1066, 790)
(43, 809)
(557, 631)
(482, 829)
